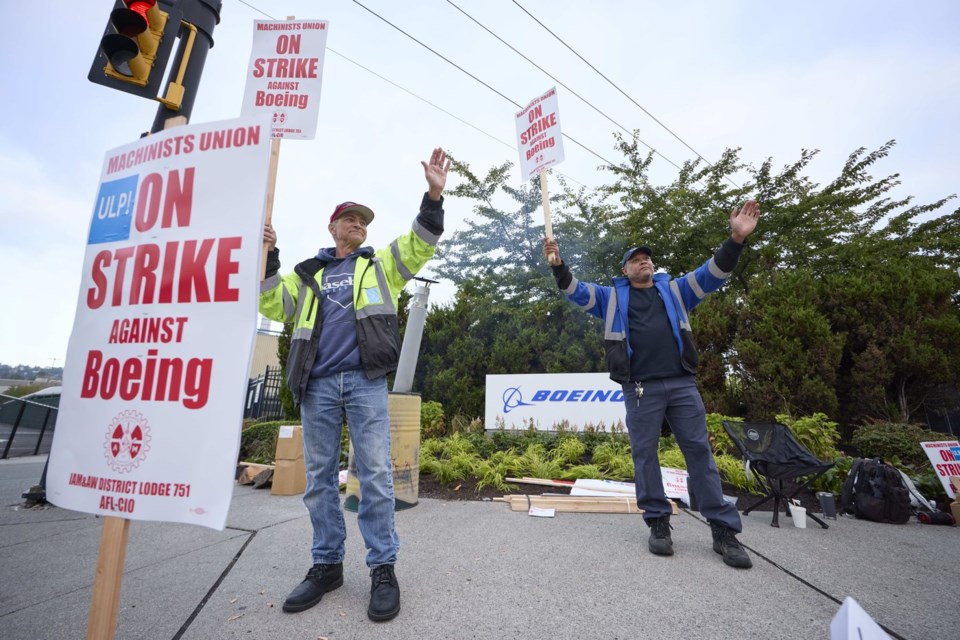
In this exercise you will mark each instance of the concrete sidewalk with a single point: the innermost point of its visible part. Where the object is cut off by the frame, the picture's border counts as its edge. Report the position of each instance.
(473, 570)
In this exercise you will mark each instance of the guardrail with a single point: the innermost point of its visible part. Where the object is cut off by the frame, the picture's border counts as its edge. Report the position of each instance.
(26, 426)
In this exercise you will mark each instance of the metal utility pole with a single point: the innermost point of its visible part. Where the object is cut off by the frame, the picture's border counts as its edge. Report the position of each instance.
(196, 37)
(410, 350)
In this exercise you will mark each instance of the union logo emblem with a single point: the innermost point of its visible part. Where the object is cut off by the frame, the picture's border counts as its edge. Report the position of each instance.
(127, 441)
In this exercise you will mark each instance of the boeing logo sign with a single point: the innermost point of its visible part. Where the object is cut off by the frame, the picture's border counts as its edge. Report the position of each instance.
(513, 398)
(544, 401)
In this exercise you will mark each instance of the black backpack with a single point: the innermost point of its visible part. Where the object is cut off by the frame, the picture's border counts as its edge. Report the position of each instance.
(875, 491)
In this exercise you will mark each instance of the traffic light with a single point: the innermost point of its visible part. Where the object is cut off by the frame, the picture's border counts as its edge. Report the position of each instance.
(136, 45)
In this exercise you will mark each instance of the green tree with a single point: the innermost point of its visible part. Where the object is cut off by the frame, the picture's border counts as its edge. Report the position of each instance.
(474, 336)
(902, 329)
(498, 248)
(843, 302)
(787, 352)
(501, 251)
(838, 230)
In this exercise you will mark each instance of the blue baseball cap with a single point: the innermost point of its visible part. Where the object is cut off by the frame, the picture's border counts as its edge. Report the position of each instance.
(633, 250)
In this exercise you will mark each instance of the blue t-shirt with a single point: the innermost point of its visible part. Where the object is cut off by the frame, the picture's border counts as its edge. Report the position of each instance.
(338, 349)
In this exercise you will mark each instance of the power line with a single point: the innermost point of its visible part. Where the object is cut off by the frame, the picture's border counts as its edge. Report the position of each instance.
(418, 97)
(441, 56)
(547, 29)
(558, 81)
(405, 90)
(439, 108)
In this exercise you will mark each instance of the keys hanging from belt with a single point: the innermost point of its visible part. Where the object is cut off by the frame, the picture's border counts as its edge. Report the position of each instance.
(639, 391)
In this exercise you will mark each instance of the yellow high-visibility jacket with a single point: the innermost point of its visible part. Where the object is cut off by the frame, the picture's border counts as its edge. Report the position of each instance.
(377, 280)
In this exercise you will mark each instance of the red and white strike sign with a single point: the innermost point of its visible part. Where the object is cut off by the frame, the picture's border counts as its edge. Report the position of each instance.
(157, 363)
(285, 74)
(538, 135)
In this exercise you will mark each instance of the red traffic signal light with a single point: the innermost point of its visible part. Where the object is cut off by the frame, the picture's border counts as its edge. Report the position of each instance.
(136, 45)
(132, 49)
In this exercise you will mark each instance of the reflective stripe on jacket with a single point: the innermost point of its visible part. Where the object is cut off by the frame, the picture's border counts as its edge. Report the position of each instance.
(679, 296)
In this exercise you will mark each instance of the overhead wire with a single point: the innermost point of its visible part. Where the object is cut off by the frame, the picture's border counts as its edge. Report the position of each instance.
(411, 93)
(444, 58)
(614, 85)
(561, 83)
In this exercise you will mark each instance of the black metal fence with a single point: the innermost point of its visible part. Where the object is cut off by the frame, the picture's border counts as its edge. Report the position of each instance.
(263, 396)
(27, 426)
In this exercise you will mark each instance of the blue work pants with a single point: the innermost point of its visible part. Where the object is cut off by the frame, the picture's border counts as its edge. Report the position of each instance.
(678, 400)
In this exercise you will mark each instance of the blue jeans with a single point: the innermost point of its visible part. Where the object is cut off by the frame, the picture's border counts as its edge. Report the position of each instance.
(678, 400)
(322, 408)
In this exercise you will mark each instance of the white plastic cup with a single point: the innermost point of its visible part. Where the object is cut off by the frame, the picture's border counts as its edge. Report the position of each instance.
(799, 517)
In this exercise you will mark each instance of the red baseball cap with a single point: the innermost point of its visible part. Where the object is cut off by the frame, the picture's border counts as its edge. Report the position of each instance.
(352, 207)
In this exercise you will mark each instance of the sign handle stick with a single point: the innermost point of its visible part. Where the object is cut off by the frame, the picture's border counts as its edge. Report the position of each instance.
(271, 191)
(547, 222)
(105, 605)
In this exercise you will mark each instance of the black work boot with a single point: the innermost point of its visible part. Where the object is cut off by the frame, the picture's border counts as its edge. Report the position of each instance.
(725, 542)
(384, 594)
(660, 542)
(320, 579)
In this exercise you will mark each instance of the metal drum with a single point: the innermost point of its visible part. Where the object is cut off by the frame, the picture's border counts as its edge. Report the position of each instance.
(404, 411)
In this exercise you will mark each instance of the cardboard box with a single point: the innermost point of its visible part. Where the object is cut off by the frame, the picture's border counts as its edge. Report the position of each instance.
(250, 470)
(289, 443)
(289, 477)
(955, 510)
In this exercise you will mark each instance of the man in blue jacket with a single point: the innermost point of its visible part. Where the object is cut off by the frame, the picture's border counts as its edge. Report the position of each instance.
(651, 352)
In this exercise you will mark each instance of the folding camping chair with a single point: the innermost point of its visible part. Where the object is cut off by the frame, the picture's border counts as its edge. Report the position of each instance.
(773, 454)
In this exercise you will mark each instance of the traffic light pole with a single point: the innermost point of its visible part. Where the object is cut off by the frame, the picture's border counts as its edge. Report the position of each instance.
(204, 15)
(197, 20)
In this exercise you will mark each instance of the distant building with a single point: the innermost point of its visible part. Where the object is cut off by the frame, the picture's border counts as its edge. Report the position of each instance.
(265, 349)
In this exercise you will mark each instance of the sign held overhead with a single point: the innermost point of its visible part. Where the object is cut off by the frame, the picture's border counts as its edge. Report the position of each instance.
(285, 74)
(538, 135)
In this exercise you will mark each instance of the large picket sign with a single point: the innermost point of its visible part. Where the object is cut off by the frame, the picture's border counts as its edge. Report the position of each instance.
(285, 74)
(155, 376)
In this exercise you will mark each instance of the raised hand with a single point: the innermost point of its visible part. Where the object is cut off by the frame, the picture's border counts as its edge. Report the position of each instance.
(436, 173)
(743, 222)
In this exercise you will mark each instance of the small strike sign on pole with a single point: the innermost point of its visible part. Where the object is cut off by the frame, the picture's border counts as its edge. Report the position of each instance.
(541, 145)
(283, 81)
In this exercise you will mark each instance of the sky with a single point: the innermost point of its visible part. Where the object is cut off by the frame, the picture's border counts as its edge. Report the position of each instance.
(770, 78)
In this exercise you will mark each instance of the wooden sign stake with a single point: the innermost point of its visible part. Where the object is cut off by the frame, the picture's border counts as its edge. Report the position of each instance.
(105, 604)
(271, 191)
(547, 222)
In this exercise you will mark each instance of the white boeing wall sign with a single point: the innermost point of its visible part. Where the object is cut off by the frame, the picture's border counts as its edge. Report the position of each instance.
(576, 400)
